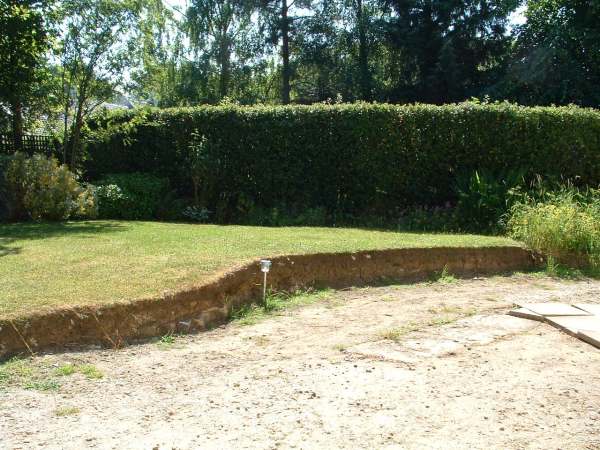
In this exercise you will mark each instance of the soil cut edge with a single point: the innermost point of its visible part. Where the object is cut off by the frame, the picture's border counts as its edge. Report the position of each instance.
(206, 305)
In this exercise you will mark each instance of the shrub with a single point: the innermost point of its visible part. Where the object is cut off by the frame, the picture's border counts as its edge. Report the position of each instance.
(134, 196)
(438, 219)
(196, 214)
(41, 189)
(562, 225)
(111, 201)
(197, 163)
(484, 198)
(4, 192)
(285, 217)
(352, 160)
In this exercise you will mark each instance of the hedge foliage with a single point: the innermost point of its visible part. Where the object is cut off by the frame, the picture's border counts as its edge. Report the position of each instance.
(357, 159)
(134, 196)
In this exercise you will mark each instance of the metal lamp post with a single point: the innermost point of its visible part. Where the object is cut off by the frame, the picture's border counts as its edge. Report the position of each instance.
(265, 266)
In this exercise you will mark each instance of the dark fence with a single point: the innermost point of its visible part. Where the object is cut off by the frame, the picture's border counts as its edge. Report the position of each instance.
(32, 143)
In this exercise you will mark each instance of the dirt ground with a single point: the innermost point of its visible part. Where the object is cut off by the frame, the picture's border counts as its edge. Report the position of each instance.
(413, 366)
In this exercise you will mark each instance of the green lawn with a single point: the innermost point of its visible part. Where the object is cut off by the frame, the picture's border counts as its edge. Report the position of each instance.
(50, 265)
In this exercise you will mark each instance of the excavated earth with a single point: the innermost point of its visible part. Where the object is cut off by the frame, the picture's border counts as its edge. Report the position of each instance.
(429, 365)
(201, 307)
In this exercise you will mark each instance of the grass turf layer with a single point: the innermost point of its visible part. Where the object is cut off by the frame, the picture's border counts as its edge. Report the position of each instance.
(76, 263)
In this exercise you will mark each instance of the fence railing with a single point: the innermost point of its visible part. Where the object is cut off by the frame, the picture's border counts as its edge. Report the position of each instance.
(32, 143)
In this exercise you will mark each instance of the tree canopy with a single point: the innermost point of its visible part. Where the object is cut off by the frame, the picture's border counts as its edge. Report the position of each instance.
(79, 55)
(23, 44)
(557, 54)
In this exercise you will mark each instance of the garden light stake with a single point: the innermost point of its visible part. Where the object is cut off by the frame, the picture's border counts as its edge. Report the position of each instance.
(265, 266)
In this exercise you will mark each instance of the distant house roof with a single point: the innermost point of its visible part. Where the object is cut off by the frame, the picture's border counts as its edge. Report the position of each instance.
(119, 102)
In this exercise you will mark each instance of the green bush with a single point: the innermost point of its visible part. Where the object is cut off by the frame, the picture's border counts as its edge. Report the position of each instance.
(428, 219)
(562, 225)
(41, 189)
(354, 160)
(196, 214)
(484, 198)
(111, 201)
(285, 217)
(4, 192)
(133, 196)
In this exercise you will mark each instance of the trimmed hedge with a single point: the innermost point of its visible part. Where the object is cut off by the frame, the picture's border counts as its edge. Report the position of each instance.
(355, 160)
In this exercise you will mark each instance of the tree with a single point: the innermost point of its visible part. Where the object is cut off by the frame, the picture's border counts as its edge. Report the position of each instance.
(156, 70)
(23, 43)
(163, 73)
(93, 52)
(470, 36)
(321, 56)
(557, 55)
(217, 28)
(340, 51)
(362, 23)
(280, 21)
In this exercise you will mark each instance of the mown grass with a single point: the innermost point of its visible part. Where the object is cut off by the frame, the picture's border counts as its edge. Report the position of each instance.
(43, 266)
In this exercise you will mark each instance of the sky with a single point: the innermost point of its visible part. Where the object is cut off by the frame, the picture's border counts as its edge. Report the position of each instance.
(516, 18)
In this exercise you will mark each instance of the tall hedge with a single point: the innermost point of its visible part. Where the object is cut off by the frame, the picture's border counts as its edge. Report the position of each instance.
(354, 159)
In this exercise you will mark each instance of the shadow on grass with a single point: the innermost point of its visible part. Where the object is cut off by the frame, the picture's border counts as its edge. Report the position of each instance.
(10, 233)
(5, 248)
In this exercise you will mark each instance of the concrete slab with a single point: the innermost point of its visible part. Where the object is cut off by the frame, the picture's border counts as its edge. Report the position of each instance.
(554, 309)
(592, 308)
(574, 324)
(525, 313)
(590, 337)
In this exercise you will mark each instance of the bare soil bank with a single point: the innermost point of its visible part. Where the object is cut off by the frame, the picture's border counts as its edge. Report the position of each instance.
(205, 306)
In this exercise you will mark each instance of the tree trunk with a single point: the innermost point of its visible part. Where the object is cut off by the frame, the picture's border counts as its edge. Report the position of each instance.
(66, 111)
(224, 76)
(285, 53)
(75, 141)
(363, 53)
(430, 54)
(65, 132)
(17, 124)
(196, 183)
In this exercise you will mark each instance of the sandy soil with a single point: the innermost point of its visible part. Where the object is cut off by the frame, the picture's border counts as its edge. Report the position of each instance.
(458, 373)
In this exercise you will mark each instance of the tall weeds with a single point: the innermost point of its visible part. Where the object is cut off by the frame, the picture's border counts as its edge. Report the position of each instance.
(561, 224)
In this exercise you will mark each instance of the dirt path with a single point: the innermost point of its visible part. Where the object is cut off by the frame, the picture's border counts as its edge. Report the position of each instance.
(416, 366)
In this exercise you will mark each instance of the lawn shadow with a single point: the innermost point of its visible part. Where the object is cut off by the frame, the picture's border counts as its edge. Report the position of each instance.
(6, 249)
(10, 233)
